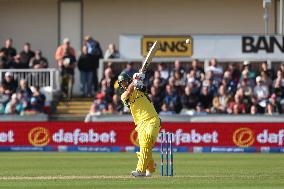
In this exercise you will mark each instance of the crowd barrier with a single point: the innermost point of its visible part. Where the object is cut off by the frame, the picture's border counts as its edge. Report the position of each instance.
(121, 137)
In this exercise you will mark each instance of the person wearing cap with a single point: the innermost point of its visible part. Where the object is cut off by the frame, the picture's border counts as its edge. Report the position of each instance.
(95, 50)
(247, 67)
(60, 51)
(261, 92)
(9, 83)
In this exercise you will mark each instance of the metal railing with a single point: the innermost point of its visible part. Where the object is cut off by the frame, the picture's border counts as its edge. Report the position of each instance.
(36, 77)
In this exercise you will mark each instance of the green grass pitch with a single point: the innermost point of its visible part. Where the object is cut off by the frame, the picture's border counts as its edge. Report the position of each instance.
(111, 170)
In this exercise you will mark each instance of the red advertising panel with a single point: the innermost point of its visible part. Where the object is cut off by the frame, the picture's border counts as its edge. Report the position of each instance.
(123, 134)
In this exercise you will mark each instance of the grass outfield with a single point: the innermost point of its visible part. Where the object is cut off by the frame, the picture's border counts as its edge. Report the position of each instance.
(109, 170)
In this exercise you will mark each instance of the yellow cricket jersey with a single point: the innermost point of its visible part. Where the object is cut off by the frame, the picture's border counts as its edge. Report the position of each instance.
(140, 106)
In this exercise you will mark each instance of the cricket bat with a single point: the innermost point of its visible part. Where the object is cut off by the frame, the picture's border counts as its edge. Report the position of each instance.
(150, 56)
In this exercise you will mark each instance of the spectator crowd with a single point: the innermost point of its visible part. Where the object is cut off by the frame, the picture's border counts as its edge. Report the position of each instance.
(228, 89)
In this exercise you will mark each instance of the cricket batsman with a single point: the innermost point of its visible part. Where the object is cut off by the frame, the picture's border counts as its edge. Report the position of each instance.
(145, 118)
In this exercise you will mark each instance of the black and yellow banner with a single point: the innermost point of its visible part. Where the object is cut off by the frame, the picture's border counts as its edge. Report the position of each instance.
(170, 46)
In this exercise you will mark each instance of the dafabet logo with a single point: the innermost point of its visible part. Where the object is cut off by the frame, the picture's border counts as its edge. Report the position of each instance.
(39, 136)
(243, 137)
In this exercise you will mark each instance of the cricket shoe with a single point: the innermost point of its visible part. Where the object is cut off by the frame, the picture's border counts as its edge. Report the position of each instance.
(138, 174)
(148, 173)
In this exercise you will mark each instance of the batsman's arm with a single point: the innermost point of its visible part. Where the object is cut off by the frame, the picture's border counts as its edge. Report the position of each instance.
(128, 92)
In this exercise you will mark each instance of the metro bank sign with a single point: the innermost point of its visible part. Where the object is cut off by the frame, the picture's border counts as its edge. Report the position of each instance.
(262, 43)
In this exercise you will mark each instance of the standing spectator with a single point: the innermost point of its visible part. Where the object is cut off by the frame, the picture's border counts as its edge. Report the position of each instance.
(3, 60)
(26, 55)
(111, 52)
(67, 73)
(61, 50)
(9, 83)
(94, 49)
(38, 61)
(8, 49)
(264, 68)
(86, 67)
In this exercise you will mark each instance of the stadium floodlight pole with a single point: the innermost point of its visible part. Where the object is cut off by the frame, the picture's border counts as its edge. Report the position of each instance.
(281, 18)
(266, 4)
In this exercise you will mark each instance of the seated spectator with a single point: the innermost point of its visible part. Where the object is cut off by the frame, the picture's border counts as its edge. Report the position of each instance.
(40, 98)
(99, 105)
(159, 86)
(275, 105)
(165, 110)
(16, 63)
(162, 81)
(3, 60)
(220, 102)
(245, 77)
(247, 68)
(38, 61)
(178, 69)
(179, 80)
(234, 72)
(24, 89)
(8, 49)
(261, 93)
(189, 100)
(236, 106)
(34, 107)
(67, 73)
(199, 110)
(206, 99)
(129, 69)
(26, 55)
(217, 70)
(117, 103)
(165, 73)
(268, 72)
(192, 81)
(9, 83)
(278, 86)
(253, 110)
(13, 106)
(156, 98)
(265, 79)
(199, 72)
(107, 90)
(4, 99)
(86, 67)
(229, 84)
(111, 52)
(172, 100)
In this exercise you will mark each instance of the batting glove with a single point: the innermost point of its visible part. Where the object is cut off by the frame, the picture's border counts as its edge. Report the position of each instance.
(139, 76)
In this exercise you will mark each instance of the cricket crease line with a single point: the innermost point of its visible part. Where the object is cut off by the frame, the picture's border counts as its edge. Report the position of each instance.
(117, 177)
